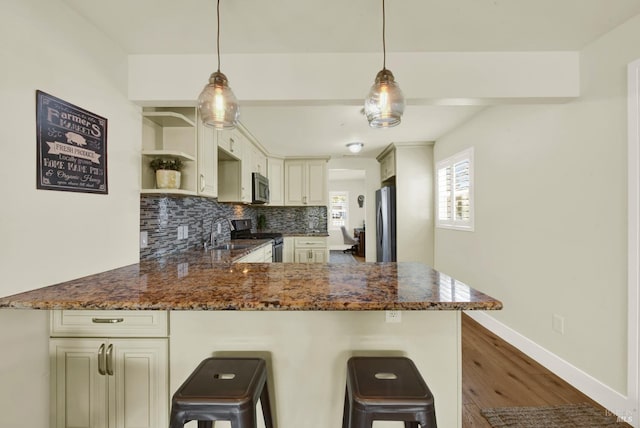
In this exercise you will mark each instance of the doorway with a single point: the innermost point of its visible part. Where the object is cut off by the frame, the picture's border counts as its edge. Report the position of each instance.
(347, 204)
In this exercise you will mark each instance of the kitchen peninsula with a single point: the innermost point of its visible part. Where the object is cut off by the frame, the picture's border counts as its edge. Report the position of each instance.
(306, 319)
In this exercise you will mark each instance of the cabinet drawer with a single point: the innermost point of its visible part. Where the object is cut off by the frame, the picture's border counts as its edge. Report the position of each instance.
(310, 242)
(109, 323)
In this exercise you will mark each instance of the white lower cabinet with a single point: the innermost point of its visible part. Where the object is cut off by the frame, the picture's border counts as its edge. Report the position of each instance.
(261, 255)
(310, 256)
(311, 250)
(109, 382)
(287, 249)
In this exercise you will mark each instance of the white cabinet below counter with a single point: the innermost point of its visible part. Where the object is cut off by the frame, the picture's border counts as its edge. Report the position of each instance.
(109, 369)
(287, 249)
(310, 249)
(263, 254)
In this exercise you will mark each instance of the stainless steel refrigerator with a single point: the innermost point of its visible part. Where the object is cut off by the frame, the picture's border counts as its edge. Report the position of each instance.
(386, 224)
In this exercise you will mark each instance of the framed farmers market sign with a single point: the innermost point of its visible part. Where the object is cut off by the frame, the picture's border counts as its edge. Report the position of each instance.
(71, 147)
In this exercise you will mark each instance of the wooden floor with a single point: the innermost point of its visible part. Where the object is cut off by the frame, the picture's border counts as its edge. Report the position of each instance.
(495, 374)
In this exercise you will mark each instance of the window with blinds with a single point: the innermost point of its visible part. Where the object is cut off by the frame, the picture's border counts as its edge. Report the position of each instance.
(454, 184)
(339, 209)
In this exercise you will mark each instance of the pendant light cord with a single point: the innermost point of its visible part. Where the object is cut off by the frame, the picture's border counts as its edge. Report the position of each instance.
(218, 36)
(384, 44)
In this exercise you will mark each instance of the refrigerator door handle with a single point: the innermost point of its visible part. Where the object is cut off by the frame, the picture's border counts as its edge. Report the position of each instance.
(379, 225)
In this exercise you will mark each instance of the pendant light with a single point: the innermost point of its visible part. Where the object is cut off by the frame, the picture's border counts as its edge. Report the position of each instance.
(217, 105)
(385, 103)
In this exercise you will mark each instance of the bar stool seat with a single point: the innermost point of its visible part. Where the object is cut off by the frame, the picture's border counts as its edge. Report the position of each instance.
(386, 388)
(223, 389)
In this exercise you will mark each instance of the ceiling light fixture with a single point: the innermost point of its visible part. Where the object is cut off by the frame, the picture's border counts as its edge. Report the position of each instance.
(217, 105)
(355, 147)
(385, 103)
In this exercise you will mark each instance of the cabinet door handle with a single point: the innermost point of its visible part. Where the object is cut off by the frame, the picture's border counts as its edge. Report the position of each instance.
(101, 360)
(107, 320)
(109, 358)
(202, 182)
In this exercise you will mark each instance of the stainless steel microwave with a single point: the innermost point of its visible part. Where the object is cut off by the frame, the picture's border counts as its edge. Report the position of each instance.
(260, 188)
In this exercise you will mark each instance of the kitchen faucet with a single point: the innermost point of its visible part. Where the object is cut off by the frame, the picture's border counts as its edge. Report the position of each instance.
(213, 238)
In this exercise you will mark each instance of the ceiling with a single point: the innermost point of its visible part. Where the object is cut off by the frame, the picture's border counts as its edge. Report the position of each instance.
(338, 26)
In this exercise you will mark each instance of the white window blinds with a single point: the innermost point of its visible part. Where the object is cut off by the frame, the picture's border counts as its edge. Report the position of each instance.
(455, 191)
(339, 209)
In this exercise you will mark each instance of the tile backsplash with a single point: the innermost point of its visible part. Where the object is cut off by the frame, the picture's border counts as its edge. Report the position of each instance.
(161, 216)
(294, 219)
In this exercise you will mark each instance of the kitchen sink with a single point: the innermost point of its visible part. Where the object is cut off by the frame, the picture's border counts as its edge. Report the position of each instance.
(232, 246)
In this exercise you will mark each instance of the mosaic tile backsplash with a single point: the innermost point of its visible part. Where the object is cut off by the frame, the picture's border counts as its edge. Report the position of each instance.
(160, 217)
(294, 219)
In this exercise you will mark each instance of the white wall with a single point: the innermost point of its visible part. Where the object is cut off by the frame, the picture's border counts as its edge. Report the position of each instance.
(51, 236)
(550, 227)
(356, 214)
(414, 202)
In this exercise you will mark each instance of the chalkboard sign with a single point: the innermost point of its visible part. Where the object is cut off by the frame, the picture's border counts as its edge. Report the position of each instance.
(72, 147)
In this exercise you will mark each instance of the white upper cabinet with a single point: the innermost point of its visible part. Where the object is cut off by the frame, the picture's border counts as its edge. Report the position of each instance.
(305, 182)
(207, 161)
(275, 174)
(247, 166)
(169, 133)
(229, 141)
(238, 158)
(387, 164)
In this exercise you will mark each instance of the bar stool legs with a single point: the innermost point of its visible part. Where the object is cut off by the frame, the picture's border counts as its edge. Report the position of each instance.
(386, 388)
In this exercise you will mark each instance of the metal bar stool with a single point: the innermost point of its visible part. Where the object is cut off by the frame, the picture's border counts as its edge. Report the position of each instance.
(225, 389)
(389, 389)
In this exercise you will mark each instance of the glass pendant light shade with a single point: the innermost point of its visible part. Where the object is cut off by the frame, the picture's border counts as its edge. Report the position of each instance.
(217, 104)
(384, 105)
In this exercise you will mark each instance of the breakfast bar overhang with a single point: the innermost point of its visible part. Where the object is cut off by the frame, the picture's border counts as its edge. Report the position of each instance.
(305, 319)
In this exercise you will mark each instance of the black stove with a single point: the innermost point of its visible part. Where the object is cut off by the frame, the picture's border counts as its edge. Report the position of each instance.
(242, 230)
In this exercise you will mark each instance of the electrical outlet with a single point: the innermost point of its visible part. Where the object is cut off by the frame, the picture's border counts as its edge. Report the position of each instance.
(185, 231)
(393, 316)
(144, 239)
(180, 233)
(557, 323)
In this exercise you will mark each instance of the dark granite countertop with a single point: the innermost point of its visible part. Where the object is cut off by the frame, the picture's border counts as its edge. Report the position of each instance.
(208, 280)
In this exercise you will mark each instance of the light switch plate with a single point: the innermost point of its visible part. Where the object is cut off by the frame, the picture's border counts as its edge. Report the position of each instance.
(557, 323)
(144, 239)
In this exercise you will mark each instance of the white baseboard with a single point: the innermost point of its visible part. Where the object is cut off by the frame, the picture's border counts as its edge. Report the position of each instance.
(588, 385)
